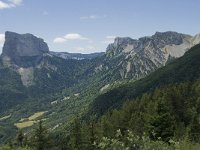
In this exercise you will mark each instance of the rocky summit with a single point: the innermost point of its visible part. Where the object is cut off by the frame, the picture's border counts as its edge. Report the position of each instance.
(138, 57)
(23, 50)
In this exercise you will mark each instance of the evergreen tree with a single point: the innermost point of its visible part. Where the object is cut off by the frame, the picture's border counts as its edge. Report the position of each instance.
(76, 135)
(40, 138)
(92, 134)
(20, 138)
(195, 130)
(163, 124)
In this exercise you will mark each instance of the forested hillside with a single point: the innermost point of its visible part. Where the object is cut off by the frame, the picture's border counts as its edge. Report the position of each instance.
(183, 69)
(159, 111)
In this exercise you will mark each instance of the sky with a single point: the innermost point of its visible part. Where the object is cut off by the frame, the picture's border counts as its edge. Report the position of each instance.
(88, 26)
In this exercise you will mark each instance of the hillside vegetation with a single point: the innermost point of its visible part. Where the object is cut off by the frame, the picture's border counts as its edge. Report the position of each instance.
(186, 68)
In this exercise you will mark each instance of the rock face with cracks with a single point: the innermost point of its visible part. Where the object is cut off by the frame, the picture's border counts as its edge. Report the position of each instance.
(136, 58)
(23, 50)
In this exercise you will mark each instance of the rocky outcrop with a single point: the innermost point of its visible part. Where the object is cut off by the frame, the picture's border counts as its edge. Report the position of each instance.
(23, 50)
(140, 57)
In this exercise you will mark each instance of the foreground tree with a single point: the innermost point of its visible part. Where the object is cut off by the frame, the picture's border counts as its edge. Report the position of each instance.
(76, 135)
(20, 138)
(163, 124)
(40, 138)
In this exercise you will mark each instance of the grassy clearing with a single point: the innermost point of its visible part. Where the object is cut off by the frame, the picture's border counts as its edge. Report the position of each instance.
(28, 122)
(36, 115)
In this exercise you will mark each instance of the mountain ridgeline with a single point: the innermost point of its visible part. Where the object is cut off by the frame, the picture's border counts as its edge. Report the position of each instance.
(184, 69)
(137, 58)
(126, 57)
(65, 85)
(77, 56)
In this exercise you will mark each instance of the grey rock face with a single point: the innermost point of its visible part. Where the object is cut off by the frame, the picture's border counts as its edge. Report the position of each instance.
(141, 57)
(23, 50)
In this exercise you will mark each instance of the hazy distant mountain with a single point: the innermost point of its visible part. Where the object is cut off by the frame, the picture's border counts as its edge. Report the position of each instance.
(77, 56)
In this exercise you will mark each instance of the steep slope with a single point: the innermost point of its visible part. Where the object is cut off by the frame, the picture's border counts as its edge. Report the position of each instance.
(23, 50)
(137, 58)
(186, 68)
(12, 91)
(28, 71)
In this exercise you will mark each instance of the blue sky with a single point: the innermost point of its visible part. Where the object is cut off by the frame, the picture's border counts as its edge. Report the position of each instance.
(89, 25)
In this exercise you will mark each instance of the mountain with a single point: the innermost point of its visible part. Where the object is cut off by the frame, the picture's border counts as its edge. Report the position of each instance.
(28, 71)
(137, 58)
(33, 79)
(161, 106)
(23, 50)
(184, 69)
(126, 58)
(77, 56)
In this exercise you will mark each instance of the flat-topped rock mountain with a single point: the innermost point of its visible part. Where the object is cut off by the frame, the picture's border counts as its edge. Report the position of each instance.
(23, 50)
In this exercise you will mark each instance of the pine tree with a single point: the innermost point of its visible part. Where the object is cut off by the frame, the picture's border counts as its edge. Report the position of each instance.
(195, 130)
(20, 138)
(40, 138)
(92, 134)
(163, 125)
(76, 135)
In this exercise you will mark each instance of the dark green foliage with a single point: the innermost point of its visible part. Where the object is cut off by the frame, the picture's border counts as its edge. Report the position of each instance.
(76, 138)
(133, 142)
(57, 74)
(163, 124)
(183, 69)
(40, 139)
(164, 114)
(12, 91)
(20, 138)
(195, 130)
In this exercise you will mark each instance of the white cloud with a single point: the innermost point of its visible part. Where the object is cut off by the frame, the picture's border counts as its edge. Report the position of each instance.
(59, 40)
(74, 36)
(10, 3)
(2, 39)
(3, 5)
(109, 39)
(16, 2)
(70, 37)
